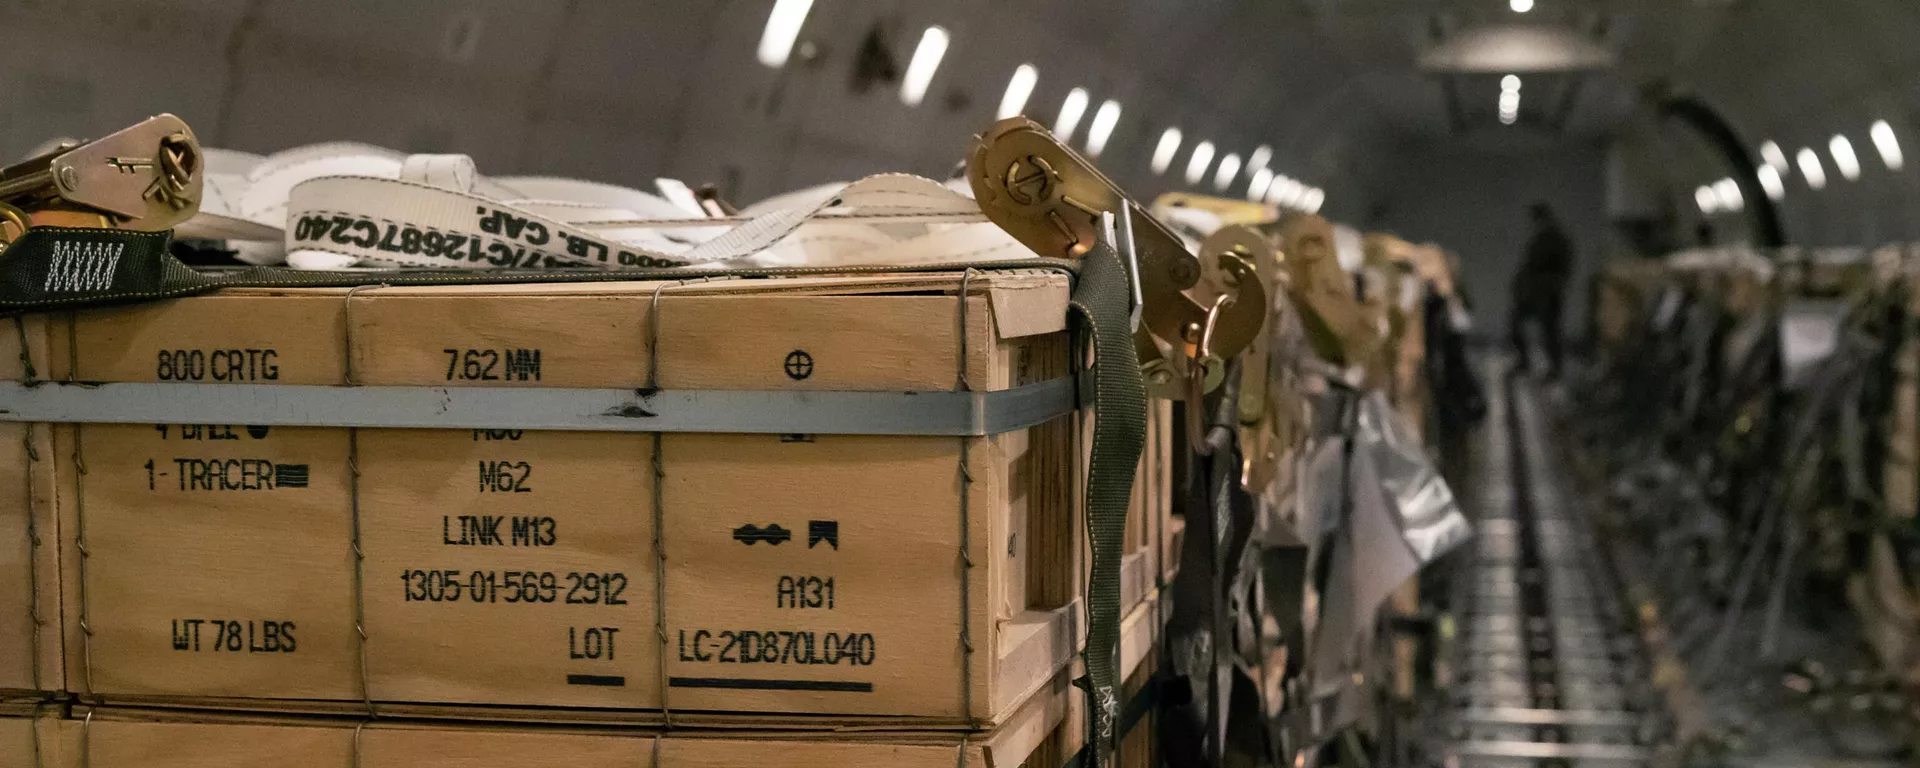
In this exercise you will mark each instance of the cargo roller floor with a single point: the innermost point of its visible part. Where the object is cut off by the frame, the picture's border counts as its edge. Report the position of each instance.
(1548, 670)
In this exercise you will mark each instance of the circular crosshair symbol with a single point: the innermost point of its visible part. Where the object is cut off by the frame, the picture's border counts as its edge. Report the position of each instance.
(799, 364)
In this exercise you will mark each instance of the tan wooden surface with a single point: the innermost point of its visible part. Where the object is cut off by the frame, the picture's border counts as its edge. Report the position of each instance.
(214, 580)
(27, 741)
(1140, 747)
(30, 656)
(1044, 731)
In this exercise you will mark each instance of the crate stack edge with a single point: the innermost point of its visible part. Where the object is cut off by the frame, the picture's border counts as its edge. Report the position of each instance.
(236, 560)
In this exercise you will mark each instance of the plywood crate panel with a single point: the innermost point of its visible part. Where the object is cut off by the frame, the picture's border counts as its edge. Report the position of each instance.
(28, 737)
(1140, 745)
(803, 574)
(1047, 731)
(30, 656)
(1148, 510)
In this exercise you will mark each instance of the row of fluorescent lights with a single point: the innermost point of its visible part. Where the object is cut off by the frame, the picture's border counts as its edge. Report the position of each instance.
(1723, 196)
(1263, 183)
(1072, 110)
(783, 30)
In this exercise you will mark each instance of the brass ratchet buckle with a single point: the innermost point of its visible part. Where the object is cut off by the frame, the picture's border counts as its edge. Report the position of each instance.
(1263, 411)
(1051, 199)
(147, 176)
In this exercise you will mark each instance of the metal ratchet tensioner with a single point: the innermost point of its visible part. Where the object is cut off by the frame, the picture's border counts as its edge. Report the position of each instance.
(1264, 420)
(1058, 204)
(147, 176)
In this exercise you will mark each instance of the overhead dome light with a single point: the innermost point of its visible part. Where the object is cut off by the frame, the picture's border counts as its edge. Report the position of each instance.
(783, 28)
(1776, 159)
(1259, 159)
(1102, 129)
(1071, 111)
(925, 62)
(1510, 83)
(1018, 89)
(1728, 191)
(1810, 168)
(1844, 158)
(1521, 6)
(1889, 146)
(1707, 199)
(1163, 152)
(1286, 191)
(1313, 199)
(1257, 187)
(1277, 189)
(1771, 181)
(1500, 48)
(1229, 168)
(1510, 103)
(1197, 165)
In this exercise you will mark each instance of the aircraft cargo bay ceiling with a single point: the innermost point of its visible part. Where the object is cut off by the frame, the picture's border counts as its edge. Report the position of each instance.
(919, 383)
(1332, 98)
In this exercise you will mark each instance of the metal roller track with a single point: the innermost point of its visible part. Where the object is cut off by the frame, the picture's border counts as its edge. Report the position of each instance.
(1549, 671)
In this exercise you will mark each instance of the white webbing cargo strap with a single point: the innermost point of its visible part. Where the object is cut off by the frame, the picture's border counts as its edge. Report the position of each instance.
(411, 223)
(339, 205)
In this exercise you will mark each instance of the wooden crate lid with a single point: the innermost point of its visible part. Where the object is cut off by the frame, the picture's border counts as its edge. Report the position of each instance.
(891, 331)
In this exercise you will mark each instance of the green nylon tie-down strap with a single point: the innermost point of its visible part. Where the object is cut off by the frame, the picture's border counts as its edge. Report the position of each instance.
(1100, 302)
(58, 268)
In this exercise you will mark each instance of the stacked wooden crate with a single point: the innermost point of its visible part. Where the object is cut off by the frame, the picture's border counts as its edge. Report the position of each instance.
(1881, 590)
(30, 659)
(721, 597)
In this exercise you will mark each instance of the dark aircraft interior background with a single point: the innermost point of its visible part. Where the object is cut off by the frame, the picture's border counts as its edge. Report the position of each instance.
(1695, 545)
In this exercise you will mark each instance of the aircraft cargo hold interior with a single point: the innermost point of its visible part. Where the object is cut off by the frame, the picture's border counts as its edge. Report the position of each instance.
(980, 383)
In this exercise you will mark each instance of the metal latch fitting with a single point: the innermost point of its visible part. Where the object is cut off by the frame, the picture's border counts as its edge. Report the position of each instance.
(147, 176)
(1055, 202)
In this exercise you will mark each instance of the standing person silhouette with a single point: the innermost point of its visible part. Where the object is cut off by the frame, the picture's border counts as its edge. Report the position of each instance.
(1539, 289)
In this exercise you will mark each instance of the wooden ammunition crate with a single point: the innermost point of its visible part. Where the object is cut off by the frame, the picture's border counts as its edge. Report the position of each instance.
(813, 575)
(1047, 731)
(29, 571)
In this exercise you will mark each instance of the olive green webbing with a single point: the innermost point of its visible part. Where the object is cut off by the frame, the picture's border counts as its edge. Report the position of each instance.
(1101, 303)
